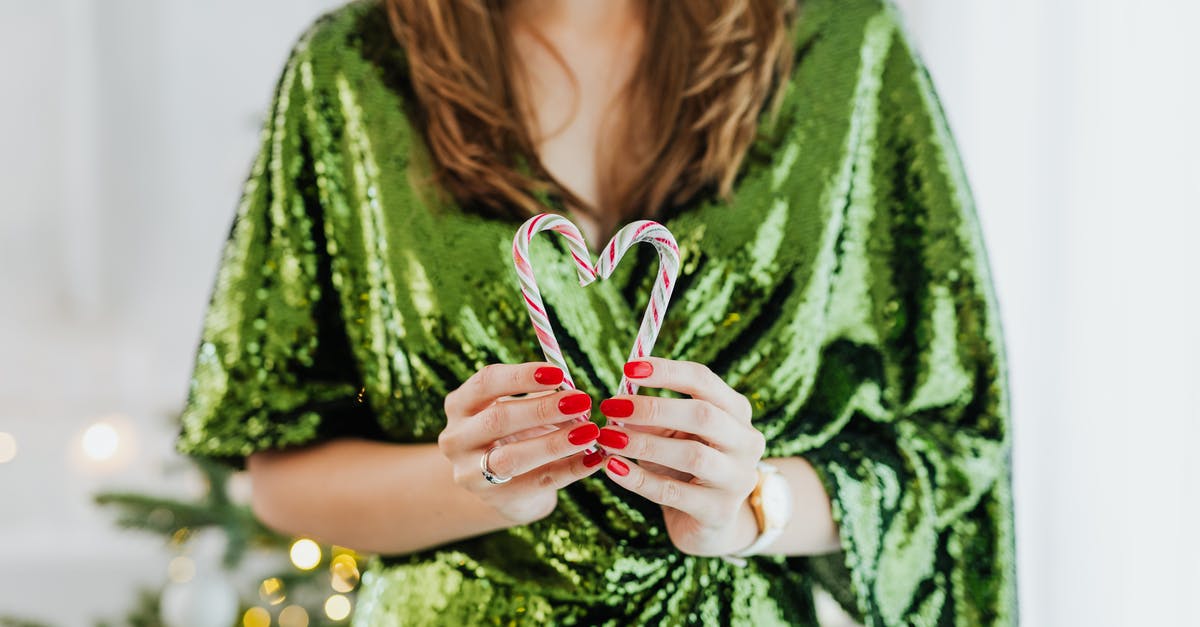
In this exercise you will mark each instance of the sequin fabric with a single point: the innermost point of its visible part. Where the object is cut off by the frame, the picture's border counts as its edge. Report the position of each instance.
(845, 290)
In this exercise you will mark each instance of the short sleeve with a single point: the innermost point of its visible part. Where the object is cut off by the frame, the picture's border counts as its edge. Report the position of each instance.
(911, 394)
(274, 368)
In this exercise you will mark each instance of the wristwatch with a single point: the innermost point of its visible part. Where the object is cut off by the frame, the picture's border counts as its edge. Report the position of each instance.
(771, 502)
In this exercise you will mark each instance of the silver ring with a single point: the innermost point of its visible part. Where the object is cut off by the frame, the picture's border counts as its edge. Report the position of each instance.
(487, 474)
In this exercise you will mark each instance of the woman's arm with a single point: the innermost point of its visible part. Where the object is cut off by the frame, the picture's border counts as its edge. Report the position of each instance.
(399, 498)
(370, 496)
(811, 529)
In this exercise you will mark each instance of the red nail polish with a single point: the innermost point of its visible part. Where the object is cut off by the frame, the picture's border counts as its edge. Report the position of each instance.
(548, 375)
(638, 369)
(583, 434)
(618, 467)
(616, 407)
(591, 460)
(575, 403)
(611, 438)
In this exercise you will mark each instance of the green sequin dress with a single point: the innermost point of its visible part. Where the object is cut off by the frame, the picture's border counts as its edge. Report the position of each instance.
(845, 290)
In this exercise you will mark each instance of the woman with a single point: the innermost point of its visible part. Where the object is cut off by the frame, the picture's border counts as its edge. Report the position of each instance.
(833, 341)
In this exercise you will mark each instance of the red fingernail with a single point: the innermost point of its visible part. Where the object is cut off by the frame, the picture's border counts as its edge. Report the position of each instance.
(575, 403)
(548, 375)
(617, 466)
(583, 434)
(592, 459)
(613, 439)
(616, 407)
(638, 369)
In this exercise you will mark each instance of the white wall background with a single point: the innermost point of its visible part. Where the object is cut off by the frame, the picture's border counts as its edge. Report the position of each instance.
(1078, 123)
(126, 127)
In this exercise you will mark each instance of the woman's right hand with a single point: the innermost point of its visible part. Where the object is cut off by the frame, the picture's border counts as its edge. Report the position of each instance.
(539, 462)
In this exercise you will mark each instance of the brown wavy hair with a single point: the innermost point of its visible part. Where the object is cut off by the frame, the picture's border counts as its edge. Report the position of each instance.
(708, 69)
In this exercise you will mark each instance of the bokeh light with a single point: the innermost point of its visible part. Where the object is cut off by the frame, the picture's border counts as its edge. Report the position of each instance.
(181, 536)
(305, 554)
(181, 569)
(343, 571)
(337, 607)
(256, 617)
(271, 591)
(293, 616)
(100, 442)
(8, 447)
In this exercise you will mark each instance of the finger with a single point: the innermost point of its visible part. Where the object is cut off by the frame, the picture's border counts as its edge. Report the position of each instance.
(496, 380)
(706, 463)
(697, 501)
(689, 415)
(563, 472)
(514, 459)
(504, 419)
(525, 395)
(689, 377)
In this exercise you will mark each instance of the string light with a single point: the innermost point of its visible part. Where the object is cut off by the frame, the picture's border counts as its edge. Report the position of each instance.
(8, 447)
(305, 554)
(337, 607)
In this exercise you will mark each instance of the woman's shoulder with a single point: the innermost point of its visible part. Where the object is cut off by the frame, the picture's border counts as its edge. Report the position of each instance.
(342, 26)
(350, 34)
(824, 19)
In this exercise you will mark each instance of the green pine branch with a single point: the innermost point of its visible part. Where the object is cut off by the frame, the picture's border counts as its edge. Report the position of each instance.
(167, 516)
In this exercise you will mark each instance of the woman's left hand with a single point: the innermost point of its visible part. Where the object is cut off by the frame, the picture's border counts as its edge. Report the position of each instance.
(698, 456)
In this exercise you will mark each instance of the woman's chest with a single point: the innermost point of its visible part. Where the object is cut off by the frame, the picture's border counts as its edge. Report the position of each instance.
(435, 296)
(573, 92)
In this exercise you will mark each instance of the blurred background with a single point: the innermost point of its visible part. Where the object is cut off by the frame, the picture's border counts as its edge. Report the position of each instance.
(127, 127)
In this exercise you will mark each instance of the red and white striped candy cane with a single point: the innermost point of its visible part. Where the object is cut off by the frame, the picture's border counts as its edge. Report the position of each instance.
(633, 233)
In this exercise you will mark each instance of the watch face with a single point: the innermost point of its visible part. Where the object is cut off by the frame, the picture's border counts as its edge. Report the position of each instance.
(777, 501)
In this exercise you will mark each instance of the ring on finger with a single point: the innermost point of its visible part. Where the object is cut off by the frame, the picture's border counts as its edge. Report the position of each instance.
(491, 477)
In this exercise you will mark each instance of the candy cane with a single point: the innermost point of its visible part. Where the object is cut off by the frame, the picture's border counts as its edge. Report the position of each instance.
(632, 233)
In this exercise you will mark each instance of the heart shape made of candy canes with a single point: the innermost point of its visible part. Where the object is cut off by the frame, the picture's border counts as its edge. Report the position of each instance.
(641, 231)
